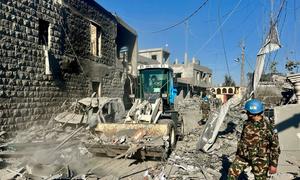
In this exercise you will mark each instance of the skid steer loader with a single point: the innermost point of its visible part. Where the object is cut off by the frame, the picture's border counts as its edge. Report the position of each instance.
(151, 126)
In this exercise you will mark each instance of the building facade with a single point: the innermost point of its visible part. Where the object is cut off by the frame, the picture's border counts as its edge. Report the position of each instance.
(52, 51)
(226, 92)
(158, 54)
(191, 76)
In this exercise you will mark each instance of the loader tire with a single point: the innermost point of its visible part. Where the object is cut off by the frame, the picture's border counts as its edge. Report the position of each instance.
(172, 133)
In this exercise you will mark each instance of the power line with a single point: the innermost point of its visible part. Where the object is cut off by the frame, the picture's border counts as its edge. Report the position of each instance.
(223, 43)
(185, 19)
(247, 6)
(280, 10)
(276, 22)
(218, 29)
(280, 32)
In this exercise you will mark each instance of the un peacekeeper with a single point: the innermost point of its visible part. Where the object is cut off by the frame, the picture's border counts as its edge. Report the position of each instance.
(258, 146)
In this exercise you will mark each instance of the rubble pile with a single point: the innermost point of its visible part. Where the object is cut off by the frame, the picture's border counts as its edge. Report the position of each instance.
(124, 137)
(213, 164)
(193, 103)
(43, 153)
(128, 140)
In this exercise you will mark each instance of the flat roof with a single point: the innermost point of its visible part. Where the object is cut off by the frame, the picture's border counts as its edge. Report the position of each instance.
(153, 50)
(194, 66)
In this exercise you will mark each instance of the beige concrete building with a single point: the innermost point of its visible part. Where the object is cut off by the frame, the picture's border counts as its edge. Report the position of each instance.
(146, 61)
(191, 76)
(159, 54)
(224, 93)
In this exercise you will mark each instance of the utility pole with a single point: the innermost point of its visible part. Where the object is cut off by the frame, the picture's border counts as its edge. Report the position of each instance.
(242, 83)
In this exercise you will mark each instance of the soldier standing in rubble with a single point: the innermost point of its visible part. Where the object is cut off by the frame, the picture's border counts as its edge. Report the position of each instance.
(258, 146)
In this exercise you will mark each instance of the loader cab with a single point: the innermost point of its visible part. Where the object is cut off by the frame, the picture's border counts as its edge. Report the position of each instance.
(156, 82)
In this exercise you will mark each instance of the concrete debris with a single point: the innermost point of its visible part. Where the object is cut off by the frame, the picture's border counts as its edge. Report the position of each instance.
(92, 111)
(110, 177)
(42, 154)
(193, 110)
(285, 176)
(211, 165)
(188, 103)
(66, 151)
(155, 173)
(215, 121)
(12, 174)
(214, 164)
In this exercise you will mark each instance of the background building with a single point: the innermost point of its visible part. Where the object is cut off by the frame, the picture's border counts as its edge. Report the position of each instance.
(224, 92)
(159, 54)
(191, 76)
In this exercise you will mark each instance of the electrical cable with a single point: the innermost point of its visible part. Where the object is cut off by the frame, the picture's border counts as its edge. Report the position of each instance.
(280, 10)
(223, 43)
(247, 6)
(252, 68)
(276, 52)
(184, 20)
(280, 32)
(276, 22)
(218, 29)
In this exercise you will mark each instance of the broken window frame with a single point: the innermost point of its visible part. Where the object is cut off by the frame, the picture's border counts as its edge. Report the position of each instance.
(95, 40)
(178, 75)
(154, 57)
(44, 32)
(45, 41)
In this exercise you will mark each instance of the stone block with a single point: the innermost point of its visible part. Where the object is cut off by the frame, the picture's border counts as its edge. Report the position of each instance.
(25, 82)
(2, 114)
(16, 113)
(18, 120)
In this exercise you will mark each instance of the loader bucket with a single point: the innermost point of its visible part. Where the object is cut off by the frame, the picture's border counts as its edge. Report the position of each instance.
(148, 139)
(115, 129)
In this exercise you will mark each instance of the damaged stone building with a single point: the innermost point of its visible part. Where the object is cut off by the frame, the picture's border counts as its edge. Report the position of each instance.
(57, 50)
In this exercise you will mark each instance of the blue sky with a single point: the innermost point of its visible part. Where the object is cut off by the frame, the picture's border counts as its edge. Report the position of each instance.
(246, 20)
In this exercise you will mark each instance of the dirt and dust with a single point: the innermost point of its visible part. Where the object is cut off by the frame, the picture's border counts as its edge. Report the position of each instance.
(32, 154)
(58, 151)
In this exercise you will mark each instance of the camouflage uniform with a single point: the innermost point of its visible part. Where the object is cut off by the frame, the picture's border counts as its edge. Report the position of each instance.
(258, 148)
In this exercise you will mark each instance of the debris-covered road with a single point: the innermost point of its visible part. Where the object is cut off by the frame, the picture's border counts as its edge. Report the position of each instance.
(58, 152)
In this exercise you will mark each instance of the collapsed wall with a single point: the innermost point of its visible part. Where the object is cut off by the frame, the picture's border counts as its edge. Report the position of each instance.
(46, 50)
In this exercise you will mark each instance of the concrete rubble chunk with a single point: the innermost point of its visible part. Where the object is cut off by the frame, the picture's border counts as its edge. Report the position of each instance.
(188, 95)
(12, 174)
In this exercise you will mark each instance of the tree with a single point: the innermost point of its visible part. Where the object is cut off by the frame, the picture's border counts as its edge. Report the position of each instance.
(291, 66)
(228, 81)
(273, 68)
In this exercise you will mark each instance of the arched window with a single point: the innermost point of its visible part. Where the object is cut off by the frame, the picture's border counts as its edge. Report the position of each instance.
(230, 91)
(224, 91)
(218, 91)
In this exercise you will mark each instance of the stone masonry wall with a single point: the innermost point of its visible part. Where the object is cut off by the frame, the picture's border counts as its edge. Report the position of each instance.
(78, 14)
(27, 94)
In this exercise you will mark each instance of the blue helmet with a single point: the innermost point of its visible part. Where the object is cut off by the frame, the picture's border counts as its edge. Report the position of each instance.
(254, 106)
